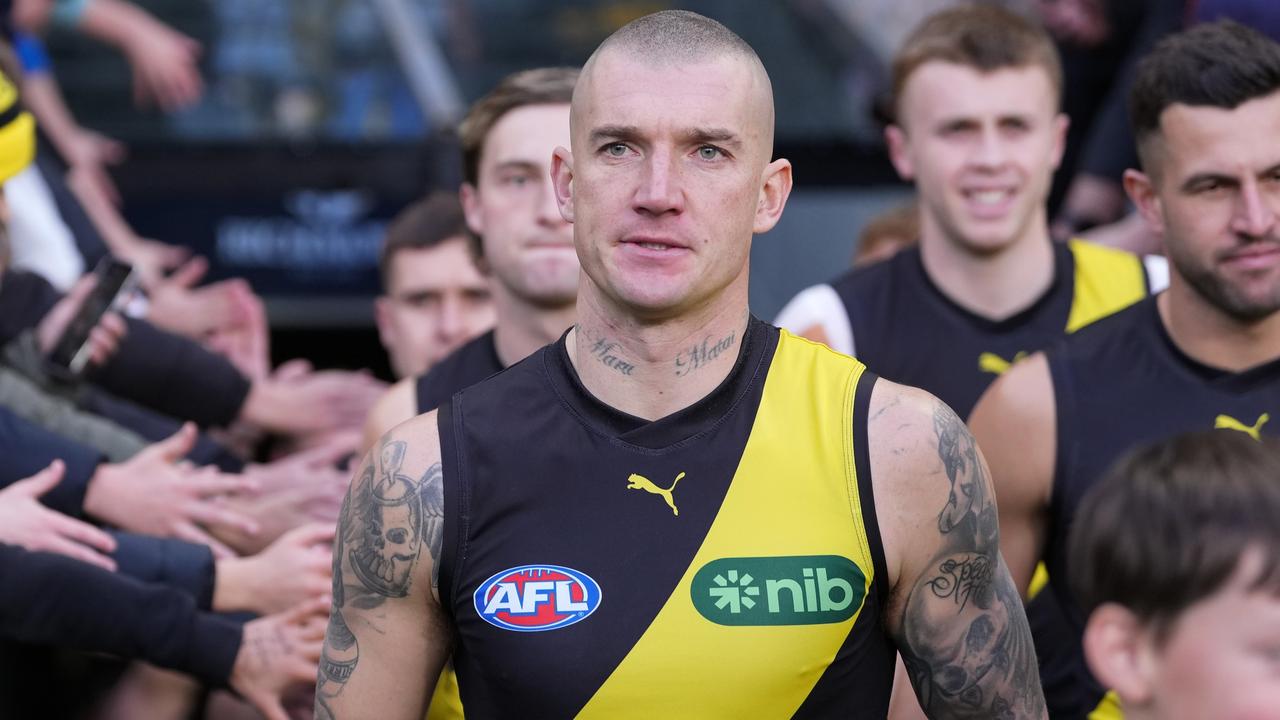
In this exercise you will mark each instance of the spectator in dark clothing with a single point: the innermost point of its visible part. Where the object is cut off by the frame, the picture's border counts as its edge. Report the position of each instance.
(76, 605)
(1100, 42)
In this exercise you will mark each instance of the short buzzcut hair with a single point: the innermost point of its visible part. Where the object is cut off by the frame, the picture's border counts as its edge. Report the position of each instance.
(677, 36)
(1170, 523)
(424, 224)
(540, 86)
(981, 36)
(1221, 64)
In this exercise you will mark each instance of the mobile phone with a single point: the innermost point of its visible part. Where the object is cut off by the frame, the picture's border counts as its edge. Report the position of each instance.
(114, 287)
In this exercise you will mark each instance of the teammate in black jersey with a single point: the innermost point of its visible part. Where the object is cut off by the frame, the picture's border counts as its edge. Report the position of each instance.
(1205, 353)
(518, 238)
(435, 298)
(977, 129)
(669, 178)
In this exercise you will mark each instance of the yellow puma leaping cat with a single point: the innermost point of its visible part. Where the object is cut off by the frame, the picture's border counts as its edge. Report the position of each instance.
(640, 482)
(1226, 422)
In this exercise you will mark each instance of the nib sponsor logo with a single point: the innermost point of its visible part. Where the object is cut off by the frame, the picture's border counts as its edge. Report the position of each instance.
(533, 598)
(794, 590)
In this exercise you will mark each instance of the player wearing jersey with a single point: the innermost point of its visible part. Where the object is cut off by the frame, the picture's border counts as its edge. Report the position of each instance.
(1205, 353)
(978, 130)
(517, 237)
(676, 510)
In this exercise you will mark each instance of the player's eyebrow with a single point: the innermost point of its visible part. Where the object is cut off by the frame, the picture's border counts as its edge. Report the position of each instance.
(1202, 178)
(605, 133)
(631, 133)
(713, 136)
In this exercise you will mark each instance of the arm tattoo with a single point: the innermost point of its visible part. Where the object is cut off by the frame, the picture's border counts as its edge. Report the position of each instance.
(964, 638)
(386, 520)
(390, 512)
(702, 354)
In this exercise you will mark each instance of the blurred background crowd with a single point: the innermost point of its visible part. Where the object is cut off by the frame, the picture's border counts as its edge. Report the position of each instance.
(247, 158)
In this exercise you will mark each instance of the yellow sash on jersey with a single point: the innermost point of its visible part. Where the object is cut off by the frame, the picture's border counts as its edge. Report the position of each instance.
(795, 493)
(1108, 709)
(1107, 280)
(446, 703)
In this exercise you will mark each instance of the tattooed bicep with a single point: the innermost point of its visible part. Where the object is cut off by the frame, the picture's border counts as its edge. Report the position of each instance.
(964, 636)
(391, 516)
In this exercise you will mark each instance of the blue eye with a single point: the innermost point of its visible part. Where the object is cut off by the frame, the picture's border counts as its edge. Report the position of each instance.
(616, 150)
(708, 152)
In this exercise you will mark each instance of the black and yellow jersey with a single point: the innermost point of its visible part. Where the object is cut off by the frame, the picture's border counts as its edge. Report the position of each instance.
(1119, 384)
(907, 330)
(721, 562)
(464, 367)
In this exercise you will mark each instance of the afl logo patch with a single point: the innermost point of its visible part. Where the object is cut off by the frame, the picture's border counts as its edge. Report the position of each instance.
(533, 598)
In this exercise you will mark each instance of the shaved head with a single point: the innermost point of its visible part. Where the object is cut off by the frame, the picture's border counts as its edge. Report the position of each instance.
(682, 38)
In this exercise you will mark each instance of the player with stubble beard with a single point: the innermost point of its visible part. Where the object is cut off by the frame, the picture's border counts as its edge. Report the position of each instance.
(1204, 354)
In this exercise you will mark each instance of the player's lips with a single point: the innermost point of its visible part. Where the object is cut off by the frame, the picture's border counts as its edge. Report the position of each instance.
(652, 243)
(989, 202)
(1255, 256)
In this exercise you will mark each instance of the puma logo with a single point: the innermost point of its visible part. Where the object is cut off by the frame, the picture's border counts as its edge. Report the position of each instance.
(996, 365)
(1226, 422)
(640, 482)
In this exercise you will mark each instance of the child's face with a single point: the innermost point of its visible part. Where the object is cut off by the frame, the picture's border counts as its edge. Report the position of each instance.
(1221, 659)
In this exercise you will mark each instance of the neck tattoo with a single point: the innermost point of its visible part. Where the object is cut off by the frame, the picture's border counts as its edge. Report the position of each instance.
(604, 351)
(702, 354)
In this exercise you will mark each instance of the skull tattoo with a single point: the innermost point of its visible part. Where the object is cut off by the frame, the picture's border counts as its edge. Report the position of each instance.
(384, 554)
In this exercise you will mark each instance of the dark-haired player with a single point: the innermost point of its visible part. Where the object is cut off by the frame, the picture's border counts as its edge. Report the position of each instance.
(435, 298)
(1205, 353)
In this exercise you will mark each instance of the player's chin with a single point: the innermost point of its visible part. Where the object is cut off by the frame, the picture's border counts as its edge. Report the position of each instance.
(655, 298)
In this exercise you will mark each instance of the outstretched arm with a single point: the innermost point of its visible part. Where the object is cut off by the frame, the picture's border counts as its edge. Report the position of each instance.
(387, 638)
(956, 616)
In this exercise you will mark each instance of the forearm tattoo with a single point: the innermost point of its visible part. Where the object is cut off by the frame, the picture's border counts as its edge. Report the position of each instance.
(965, 639)
(387, 518)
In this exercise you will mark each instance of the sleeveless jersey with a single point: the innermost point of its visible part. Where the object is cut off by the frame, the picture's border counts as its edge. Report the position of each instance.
(906, 330)
(464, 367)
(1120, 384)
(721, 562)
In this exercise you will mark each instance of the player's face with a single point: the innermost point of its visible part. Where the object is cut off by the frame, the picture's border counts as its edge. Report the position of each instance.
(668, 180)
(981, 148)
(1215, 202)
(436, 300)
(528, 246)
(1221, 660)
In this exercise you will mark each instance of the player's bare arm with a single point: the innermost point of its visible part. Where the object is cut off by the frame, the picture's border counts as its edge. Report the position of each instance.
(387, 639)
(955, 613)
(394, 407)
(1015, 424)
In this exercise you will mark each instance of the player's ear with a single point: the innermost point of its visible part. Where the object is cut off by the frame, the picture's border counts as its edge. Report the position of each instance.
(562, 181)
(1142, 191)
(1061, 123)
(896, 140)
(469, 196)
(1119, 651)
(774, 192)
(382, 317)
